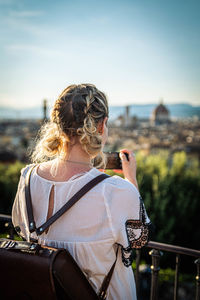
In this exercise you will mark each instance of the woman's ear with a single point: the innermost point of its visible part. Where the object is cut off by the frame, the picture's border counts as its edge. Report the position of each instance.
(101, 125)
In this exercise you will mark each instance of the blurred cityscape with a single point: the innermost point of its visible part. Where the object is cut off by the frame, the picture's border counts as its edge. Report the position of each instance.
(166, 189)
(157, 132)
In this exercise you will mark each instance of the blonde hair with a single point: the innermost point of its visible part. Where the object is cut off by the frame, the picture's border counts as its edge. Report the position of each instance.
(76, 113)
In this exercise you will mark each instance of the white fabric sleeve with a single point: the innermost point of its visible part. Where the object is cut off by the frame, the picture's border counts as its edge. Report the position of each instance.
(129, 218)
(19, 215)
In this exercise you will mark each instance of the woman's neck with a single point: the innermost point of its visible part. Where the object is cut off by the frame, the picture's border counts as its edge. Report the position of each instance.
(74, 162)
(64, 167)
(77, 156)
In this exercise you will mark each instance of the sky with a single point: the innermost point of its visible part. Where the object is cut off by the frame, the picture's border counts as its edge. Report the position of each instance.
(135, 51)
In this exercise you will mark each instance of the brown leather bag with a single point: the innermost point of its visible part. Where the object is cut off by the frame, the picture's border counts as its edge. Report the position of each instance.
(31, 271)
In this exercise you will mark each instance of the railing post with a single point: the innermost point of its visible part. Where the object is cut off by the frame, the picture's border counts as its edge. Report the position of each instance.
(11, 230)
(197, 262)
(137, 274)
(176, 277)
(156, 254)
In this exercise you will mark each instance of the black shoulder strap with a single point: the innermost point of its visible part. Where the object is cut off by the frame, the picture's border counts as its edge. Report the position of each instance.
(62, 210)
(31, 221)
(107, 279)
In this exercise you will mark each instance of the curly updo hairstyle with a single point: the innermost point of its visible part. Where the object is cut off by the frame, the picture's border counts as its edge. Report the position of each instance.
(76, 113)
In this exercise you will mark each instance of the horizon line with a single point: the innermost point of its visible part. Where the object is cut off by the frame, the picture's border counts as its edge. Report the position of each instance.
(111, 105)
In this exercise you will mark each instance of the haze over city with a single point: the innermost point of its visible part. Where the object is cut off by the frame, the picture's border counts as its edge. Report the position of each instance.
(135, 51)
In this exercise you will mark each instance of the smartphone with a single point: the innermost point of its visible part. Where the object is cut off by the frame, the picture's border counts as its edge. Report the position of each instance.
(113, 160)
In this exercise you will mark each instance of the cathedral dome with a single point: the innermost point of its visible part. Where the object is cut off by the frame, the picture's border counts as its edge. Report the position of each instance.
(160, 114)
(161, 109)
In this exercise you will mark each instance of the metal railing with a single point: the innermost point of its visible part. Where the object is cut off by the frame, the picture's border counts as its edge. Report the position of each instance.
(155, 254)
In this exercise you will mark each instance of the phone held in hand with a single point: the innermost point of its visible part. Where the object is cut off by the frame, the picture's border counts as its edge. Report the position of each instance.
(113, 160)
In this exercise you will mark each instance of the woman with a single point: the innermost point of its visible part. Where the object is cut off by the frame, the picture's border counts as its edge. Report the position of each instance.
(103, 218)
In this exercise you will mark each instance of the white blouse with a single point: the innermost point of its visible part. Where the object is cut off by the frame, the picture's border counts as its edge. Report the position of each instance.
(90, 229)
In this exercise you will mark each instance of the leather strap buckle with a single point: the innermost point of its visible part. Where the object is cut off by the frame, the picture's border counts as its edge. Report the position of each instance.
(103, 295)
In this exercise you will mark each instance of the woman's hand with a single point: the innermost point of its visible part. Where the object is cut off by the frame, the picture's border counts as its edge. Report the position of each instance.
(129, 166)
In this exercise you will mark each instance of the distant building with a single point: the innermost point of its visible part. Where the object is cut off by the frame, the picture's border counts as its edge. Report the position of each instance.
(120, 121)
(126, 120)
(44, 110)
(160, 114)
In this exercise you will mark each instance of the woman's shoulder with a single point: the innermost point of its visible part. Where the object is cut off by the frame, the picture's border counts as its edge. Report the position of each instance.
(123, 200)
(117, 183)
(25, 169)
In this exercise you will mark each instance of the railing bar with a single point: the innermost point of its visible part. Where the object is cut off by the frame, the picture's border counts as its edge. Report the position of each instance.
(173, 248)
(176, 282)
(5, 217)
